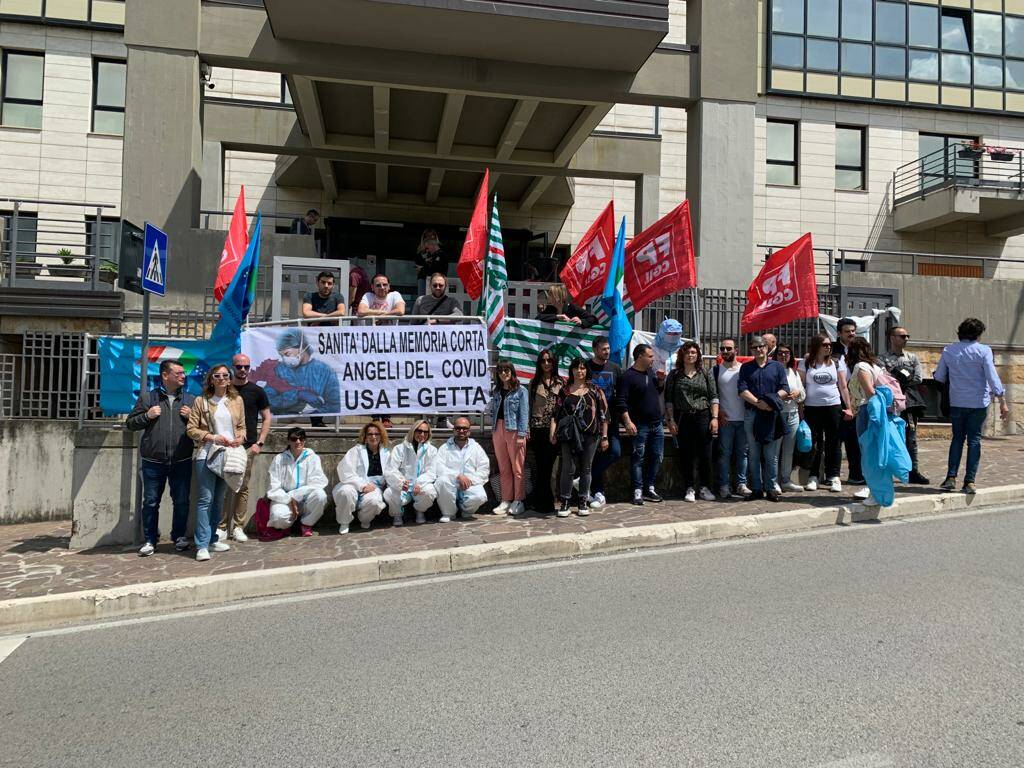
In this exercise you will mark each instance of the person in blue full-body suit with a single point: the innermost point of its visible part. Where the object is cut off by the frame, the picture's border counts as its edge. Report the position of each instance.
(297, 383)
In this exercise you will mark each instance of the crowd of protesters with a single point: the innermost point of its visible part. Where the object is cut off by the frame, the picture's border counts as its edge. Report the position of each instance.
(740, 428)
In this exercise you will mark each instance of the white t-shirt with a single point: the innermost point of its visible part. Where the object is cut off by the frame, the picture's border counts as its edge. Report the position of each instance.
(223, 424)
(822, 384)
(388, 303)
(730, 404)
(796, 389)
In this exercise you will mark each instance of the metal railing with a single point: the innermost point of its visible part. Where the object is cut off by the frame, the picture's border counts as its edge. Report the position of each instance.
(961, 164)
(57, 245)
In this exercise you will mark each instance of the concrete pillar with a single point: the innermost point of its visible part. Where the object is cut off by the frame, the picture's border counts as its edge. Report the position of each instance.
(212, 192)
(720, 188)
(647, 201)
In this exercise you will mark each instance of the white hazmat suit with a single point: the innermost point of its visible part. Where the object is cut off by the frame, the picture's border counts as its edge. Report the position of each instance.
(416, 466)
(349, 498)
(300, 479)
(452, 461)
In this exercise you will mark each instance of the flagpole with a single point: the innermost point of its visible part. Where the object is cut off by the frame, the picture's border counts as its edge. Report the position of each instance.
(696, 315)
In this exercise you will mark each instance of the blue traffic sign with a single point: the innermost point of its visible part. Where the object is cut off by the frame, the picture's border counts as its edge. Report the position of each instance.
(154, 261)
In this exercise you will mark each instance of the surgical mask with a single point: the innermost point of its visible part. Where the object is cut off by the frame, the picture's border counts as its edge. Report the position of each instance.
(291, 362)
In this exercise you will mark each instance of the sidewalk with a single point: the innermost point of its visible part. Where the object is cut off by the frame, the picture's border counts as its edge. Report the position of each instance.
(35, 561)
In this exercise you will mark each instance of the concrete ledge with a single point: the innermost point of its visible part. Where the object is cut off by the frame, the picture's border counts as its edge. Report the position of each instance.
(105, 604)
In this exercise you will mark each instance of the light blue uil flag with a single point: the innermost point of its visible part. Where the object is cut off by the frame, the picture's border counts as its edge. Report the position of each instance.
(620, 330)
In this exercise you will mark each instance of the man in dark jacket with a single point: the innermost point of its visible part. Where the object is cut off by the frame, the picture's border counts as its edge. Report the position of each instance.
(639, 404)
(763, 385)
(166, 454)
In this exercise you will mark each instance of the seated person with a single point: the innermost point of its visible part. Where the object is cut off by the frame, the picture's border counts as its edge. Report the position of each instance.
(462, 471)
(437, 302)
(361, 478)
(409, 474)
(382, 301)
(324, 301)
(297, 483)
(556, 306)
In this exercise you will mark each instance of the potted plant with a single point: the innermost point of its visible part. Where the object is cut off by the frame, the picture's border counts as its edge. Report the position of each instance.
(1000, 153)
(67, 257)
(971, 150)
(108, 271)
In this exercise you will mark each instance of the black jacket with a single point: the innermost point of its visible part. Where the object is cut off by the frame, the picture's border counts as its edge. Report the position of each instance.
(163, 438)
(549, 314)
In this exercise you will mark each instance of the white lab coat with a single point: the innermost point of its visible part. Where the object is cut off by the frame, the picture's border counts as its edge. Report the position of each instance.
(349, 499)
(451, 462)
(302, 480)
(418, 468)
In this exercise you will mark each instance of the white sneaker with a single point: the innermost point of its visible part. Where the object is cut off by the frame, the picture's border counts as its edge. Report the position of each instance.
(870, 501)
(835, 486)
(366, 526)
(342, 530)
(864, 493)
(502, 508)
(516, 508)
(146, 550)
(203, 554)
(812, 484)
(776, 488)
(222, 534)
(220, 546)
(598, 500)
(182, 544)
(742, 490)
(421, 518)
(444, 519)
(397, 521)
(792, 487)
(238, 534)
(690, 495)
(706, 494)
(724, 492)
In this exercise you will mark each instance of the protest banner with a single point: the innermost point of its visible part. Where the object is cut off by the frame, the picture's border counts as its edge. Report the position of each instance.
(330, 371)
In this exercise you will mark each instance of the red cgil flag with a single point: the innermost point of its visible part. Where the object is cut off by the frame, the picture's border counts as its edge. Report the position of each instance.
(234, 247)
(586, 271)
(659, 260)
(474, 248)
(784, 290)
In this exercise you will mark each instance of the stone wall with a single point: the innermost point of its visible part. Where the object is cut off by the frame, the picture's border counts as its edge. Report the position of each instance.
(36, 470)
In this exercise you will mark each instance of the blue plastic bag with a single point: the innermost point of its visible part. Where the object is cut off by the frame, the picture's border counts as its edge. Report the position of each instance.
(803, 437)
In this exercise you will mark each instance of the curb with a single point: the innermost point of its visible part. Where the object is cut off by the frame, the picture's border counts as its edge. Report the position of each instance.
(34, 613)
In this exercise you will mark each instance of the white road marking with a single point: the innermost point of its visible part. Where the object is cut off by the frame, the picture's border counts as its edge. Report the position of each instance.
(424, 581)
(9, 645)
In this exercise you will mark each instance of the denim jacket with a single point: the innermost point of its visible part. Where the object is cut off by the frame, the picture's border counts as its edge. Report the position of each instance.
(517, 410)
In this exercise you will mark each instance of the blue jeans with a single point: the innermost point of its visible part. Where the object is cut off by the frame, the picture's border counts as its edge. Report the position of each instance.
(211, 498)
(967, 424)
(762, 457)
(792, 420)
(603, 460)
(155, 477)
(648, 449)
(732, 446)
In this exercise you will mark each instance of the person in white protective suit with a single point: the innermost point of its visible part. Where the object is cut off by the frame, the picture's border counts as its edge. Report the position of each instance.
(361, 478)
(297, 485)
(462, 471)
(409, 474)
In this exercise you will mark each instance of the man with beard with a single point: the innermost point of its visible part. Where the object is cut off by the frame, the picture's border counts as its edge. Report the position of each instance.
(732, 436)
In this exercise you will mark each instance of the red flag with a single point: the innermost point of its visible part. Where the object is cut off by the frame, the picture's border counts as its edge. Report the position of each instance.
(234, 247)
(474, 248)
(586, 270)
(784, 290)
(659, 260)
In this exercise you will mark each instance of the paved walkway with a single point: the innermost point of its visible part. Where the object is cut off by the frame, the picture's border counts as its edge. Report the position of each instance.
(34, 559)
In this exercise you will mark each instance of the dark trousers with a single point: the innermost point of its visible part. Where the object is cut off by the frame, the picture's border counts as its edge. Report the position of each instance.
(911, 418)
(603, 460)
(694, 437)
(967, 426)
(580, 461)
(544, 454)
(825, 421)
(156, 477)
(848, 434)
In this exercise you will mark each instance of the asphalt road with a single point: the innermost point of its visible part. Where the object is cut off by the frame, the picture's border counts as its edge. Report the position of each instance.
(897, 644)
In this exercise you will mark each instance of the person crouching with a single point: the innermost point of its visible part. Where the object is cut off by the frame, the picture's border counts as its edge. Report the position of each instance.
(409, 474)
(297, 483)
(361, 478)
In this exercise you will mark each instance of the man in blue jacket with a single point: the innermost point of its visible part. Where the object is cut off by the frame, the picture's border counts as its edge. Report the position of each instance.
(764, 387)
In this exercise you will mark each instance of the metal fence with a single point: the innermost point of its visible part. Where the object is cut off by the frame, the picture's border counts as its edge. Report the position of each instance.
(960, 164)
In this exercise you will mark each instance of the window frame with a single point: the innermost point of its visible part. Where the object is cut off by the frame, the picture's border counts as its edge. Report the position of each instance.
(96, 107)
(863, 167)
(6, 224)
(794, 163)
(5, 54)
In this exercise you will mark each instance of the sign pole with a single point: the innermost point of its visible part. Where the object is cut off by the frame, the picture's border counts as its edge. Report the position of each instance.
(143, 389)
(696, 315)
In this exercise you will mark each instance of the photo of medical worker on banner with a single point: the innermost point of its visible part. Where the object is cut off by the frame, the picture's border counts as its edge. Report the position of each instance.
(295, 382)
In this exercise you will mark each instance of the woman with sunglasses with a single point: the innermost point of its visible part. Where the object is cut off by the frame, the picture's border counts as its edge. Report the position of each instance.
(584, 402)
(691, 409)
(409, 474)
(544, 389)
(359, 491)
(217, 418)
(824, 406)
(510, 425)
(792, 404)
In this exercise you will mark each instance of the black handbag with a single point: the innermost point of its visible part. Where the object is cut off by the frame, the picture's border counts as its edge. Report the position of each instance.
(569, 429)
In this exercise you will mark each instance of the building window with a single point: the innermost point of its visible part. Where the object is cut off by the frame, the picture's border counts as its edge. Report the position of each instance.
(856, 59)
(851, 149)
(924, 65)
(106, 247)
(823, 18)
(938, 154)
(890, 62)
(956, 29)
(27, 233)
(21, 102)
(857, 19)
(891, 23)
(783, 165)
(108, 96)
(787, 51)
(924, 26)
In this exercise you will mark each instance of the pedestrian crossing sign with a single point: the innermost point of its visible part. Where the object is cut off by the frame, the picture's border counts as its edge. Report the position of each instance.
(154, 261)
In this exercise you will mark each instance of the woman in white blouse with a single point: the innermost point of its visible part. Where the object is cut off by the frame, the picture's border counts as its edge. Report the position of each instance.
(791, 411)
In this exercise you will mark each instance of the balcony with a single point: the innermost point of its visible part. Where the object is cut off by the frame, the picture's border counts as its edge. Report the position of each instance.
(961, 182)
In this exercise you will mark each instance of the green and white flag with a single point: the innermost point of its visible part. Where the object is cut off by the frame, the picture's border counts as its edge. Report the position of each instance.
(525, 339)
(492, 298)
